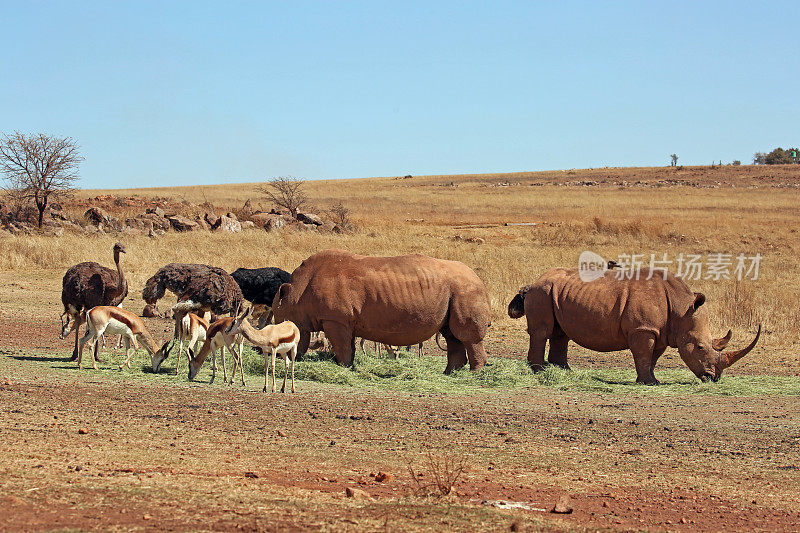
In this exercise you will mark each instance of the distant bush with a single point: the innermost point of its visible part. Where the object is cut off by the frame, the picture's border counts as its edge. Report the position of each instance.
(736, 162)
(778, 156)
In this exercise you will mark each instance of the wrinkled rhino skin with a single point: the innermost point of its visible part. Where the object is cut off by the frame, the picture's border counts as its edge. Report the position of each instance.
(609, 314)
(397, 301)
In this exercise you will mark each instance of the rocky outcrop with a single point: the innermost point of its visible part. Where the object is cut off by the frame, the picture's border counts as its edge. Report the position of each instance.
(181, 223)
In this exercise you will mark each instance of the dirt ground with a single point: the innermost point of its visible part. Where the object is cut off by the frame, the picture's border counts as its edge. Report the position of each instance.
(112, 450)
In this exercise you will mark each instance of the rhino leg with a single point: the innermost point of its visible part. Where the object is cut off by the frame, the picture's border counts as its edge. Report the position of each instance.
(557, 355)
(476, 354)
(456, 352)
(656, 354)
(541, 326)
(642, 345)
(302, 346)
(342, 341)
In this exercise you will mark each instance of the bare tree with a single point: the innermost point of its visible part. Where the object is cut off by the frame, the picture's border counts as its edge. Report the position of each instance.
(38, 167)
(286, 192)
(340, 216)
(674, 160)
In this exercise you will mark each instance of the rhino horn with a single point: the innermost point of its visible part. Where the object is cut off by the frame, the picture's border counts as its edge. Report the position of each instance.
(728, 358)
(720, 344)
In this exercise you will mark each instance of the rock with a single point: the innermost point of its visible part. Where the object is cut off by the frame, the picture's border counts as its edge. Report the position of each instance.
(310, 218)
(274, 224)
(261, 219)
(97, 216)
(212, 219)
(251, 475)
(127, 230)
(563, 505)
(156, 211)
(20, 228)
(93, 230)
(83, 431)
(247, 224)
(357, 494)
(201, 223)
(383, 477)
(53, 231)
(181, 223)
(281, 433)
(135, 223)
(247, 209)
(228, 224)
(151, 220)
(207, 206)
(232, 215)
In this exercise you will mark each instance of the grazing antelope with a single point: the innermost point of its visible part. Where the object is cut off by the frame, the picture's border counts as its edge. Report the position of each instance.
(115, 320)
(262, 314)
(217, 338)
(193, 328)
(278, 338)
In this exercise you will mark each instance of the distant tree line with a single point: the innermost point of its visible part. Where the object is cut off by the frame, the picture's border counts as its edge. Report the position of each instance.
(778, 156)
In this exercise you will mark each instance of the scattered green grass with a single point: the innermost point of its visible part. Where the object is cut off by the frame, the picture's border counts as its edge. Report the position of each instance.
(410, 373)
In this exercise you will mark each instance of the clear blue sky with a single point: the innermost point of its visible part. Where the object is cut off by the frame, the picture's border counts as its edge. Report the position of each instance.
(162, 93)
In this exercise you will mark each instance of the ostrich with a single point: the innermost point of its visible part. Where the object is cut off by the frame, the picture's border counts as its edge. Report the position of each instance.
(88, 285)
(199, 288)
(259, 286)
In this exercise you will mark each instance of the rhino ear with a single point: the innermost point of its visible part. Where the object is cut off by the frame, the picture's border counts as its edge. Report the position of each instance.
(284, 290)
(699, 299)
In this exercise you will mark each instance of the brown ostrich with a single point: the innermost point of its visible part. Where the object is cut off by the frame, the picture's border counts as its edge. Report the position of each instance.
(88, 285)
(199, 288)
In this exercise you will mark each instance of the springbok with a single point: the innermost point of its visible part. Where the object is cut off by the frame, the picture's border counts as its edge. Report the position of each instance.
(115, 320)
(278, 338)
(192, 328)
(217, 338)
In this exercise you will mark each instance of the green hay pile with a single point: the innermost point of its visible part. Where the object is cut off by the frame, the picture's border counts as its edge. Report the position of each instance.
(425, 374)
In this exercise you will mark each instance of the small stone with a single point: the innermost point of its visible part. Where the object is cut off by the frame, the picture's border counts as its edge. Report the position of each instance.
(357, 494)
(83, 431)
(146, 517)
(563, 505)
(281, 433)
(251, 475)
(382, 477)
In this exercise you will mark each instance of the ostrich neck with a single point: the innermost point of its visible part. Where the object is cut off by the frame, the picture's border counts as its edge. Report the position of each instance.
(120, 274)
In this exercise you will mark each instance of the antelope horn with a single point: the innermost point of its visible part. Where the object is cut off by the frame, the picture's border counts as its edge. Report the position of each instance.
(728, 358)
(721, 343)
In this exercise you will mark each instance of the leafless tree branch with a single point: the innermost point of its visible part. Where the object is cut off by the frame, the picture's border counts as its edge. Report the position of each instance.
(38, 167)
(286, 192)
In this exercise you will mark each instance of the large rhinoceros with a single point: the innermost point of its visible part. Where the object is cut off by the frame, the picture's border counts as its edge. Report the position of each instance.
(609, 314)
(396, 301)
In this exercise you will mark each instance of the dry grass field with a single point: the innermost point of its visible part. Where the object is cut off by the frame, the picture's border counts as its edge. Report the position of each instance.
(631, 459)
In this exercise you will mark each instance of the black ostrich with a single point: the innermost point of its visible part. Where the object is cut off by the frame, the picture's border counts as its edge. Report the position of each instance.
(259, 286)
